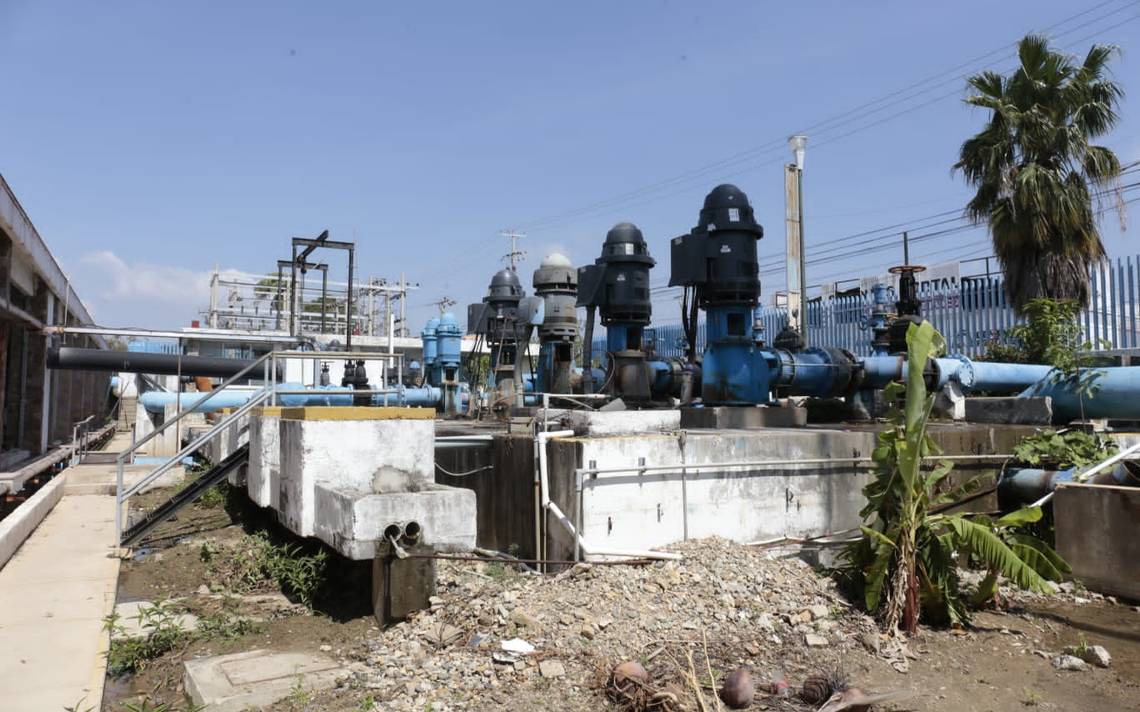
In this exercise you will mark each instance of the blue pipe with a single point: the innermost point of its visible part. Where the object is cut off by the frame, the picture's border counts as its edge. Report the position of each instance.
(430, 340)
(972, 375)
(1117, 394)
(1021, 487)
(427, 396)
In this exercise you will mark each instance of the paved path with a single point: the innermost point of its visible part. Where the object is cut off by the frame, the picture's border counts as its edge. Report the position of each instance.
(54, 594)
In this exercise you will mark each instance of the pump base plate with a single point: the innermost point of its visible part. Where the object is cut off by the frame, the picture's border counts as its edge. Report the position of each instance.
(743, 417)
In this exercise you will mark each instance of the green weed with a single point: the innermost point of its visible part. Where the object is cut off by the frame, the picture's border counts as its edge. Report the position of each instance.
(162, 633)
(147, 706)
(254, 562)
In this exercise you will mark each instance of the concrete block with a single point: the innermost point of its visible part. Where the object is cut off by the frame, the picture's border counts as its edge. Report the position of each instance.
(401, 587)
(1096, 534)
(743, 417)
(374, 455)
(263, 477)
(1010, 411)
(256, 679)
(353, 521)
(622, 422)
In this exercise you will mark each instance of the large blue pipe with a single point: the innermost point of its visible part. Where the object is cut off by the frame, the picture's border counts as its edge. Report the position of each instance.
(1116, 394)
(427, 396)
(1018, 488)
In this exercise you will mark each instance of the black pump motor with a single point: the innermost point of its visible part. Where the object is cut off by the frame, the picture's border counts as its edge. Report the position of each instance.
(618, 281)
(719, 255)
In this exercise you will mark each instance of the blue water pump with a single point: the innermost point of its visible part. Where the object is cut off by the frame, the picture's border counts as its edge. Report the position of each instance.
(717, 265)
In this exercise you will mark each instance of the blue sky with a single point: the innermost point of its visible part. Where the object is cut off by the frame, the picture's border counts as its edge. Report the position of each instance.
(150, 142)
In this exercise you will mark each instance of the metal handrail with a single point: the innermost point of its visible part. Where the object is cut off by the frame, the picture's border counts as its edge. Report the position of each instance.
(259, 397)
(186, 411)
(201, 440)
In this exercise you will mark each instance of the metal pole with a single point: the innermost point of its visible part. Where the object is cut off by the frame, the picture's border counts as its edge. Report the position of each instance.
(293, 290)
(348, 328)
(803, 257)
(403, 302)
(906, 248)
(277, 300)
(792, 266)
(324, 297)
(178, 395)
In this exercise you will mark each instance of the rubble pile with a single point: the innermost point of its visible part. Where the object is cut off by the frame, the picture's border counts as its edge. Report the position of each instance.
(495, 635)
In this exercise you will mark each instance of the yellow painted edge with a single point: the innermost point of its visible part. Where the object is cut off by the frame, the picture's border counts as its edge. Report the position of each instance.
(354, 412)
(273, 411)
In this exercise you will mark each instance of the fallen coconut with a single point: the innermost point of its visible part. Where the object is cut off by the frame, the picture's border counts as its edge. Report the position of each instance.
(738, 689)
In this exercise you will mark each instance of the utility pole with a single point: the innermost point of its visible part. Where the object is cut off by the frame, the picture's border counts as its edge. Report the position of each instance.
(514, 255)
(443, 303)
(403, 305)
(796, 265)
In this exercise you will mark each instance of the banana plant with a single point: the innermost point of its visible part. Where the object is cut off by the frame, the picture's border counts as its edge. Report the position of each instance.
(907, 559)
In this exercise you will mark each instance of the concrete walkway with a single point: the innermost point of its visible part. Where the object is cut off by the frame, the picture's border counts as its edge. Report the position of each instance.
(54, 593)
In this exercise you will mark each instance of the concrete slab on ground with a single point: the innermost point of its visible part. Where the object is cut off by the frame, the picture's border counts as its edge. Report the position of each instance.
(133, 617)
(256, 679)
(54, 594)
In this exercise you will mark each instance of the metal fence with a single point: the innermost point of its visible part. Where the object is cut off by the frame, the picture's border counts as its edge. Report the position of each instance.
(969, 317)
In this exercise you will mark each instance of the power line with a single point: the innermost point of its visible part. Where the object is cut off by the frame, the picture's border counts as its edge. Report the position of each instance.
(825, 125)
(860, 111)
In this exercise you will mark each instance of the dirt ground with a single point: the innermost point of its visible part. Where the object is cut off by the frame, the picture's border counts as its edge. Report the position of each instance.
(661, 610)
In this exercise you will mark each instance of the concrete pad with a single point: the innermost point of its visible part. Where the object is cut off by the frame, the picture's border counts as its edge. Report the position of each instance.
(131, 619)
(256, 679)
(374, 455)
(743, 417)
(54, 594)
(622, 422)
(1010, 411)
(353, 521)
(1096, 534)
(263, 479)
(102, 479)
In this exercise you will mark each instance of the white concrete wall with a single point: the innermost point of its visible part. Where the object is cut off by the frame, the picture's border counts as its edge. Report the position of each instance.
(629, 510)
(374, 456)
(263, 479)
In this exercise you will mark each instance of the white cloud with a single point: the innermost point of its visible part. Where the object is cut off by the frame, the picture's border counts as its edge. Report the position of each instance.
(139, 293)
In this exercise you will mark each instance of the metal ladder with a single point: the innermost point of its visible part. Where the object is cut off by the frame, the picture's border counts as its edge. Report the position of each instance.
(204, 481)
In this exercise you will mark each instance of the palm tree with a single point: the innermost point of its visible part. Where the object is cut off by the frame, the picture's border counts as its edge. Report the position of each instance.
(1036, 169)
